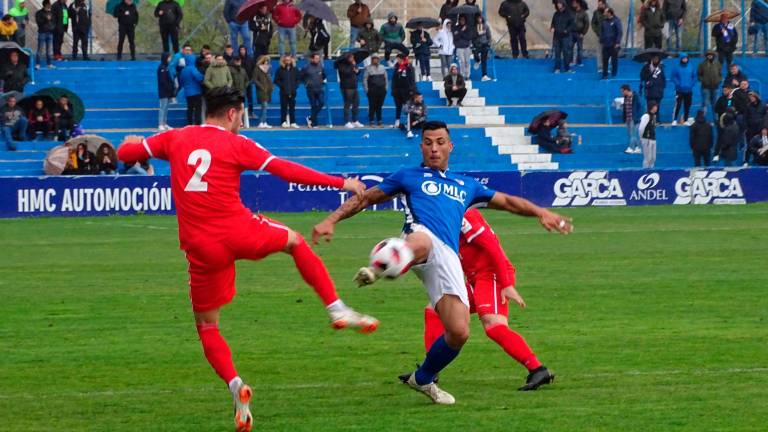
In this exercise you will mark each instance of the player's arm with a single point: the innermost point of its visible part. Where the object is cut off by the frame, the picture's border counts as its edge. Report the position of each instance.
(551, 221)
(350, 208)
(297, 173)
(134, 148)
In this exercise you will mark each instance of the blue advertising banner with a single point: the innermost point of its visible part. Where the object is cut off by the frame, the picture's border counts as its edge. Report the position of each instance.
(108, 195)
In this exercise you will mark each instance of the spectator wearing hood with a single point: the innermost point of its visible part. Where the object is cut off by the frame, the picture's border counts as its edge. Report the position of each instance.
(217, 75)
(393, 35)
(758, 19)
(700, 139)
(561, 27)
(44, 21)
(515, 12)
(287, 16)
(313, 77)
(647, 131)
(416, 114)
(462, 40)
(596, 23)
(287, 79)
(169, 16)
(14, 123)
(610, 42)
(63, 119)
(60, 26)
(369, 38)
(758, 147)
(684, 79)
(653, 80)
(261, 26)
(631, 112)
(580, 29)
(726, 37)
(348, 72)
(652, 20)
(454, 86)
(446, 7)
(165, 90)
(403, 84)
(674, 14)
(727, 139)
(421, 43)
(264, 87)
(81, 26)
(709, 73)
(13, 74)
(8, 29)
(20, 14)
(191, 80)
(359, 14)
(445, 48)
(127, 19)
(237, 28)
(375, 85)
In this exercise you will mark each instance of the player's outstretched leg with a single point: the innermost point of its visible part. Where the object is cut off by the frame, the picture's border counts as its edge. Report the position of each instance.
(497, 329)
(315, 274)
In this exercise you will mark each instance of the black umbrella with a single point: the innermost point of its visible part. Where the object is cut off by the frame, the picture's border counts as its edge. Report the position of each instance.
(318, 9)
(6, 48)
(646, 55)
(424, 22)
(359, 53)
(554, 116)
(466, 10)
(29, 102)
(75, 103)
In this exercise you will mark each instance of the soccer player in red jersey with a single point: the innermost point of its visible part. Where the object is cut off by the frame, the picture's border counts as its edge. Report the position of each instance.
(216, 229)
(490, 281)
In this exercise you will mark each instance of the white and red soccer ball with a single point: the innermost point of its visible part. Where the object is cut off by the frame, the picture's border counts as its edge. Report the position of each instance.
(391, 257)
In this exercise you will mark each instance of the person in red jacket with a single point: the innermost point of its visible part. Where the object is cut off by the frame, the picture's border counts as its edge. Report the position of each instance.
(490, 285)
(287, 16)
(39, 121)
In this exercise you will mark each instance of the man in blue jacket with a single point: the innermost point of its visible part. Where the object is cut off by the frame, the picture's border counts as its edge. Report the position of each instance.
(191, 80)
(610, 41)
(758, 17)
(653, 81)
(236, 27)
(684, 78)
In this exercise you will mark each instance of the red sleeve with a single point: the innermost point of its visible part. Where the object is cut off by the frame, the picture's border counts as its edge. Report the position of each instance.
(152, 147)
(479, 233)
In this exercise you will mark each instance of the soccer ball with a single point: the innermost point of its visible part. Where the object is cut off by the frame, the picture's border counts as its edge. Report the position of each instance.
(391, 257)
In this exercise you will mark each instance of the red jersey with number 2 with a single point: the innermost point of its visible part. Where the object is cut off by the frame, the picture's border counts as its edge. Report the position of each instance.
(481, 251)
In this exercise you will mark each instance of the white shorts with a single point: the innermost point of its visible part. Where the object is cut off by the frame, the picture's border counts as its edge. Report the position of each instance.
(441, 274)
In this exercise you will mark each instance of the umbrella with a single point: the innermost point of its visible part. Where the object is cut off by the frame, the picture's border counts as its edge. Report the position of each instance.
(155, 2)
(92, 142)
(318, 9)
(112, 4)
(466, 10)
(554, 117)
(29, 102)
(714, 17)
(56, 160)
(425, 22)
(18, 95)
(77, 105)
(249, 9)
(646, 55)
(6, 48)
(359, 53)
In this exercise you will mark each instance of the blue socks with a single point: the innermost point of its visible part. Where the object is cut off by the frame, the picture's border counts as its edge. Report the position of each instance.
(438, 357)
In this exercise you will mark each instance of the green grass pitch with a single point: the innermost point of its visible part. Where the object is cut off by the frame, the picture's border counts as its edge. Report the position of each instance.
(653, 318)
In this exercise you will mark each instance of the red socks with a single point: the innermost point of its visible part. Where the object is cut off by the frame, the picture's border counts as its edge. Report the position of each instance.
(433, 327)
(216, 351)
(514, 345)
(313, 271)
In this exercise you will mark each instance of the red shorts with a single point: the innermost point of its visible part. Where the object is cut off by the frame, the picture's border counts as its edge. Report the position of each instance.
(485, 295)
(212, 263)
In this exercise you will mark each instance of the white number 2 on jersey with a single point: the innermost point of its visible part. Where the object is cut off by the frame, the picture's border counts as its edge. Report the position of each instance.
(196, 183)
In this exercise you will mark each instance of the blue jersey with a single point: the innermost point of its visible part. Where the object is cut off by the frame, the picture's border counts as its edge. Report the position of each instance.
(436, 199)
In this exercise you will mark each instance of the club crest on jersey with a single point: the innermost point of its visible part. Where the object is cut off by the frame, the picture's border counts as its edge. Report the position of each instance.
(705, 187)
(454, 192)
(582, 188)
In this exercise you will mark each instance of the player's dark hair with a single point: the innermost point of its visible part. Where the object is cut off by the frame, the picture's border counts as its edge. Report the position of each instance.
(626, 87)
(221, 99)
(434, 125)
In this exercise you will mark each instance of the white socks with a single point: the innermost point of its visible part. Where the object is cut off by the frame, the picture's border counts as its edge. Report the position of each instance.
(336, 306)
(234, 385)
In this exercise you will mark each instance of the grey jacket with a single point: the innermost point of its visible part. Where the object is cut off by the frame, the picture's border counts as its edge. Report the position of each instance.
(375, 75)
(313, 76)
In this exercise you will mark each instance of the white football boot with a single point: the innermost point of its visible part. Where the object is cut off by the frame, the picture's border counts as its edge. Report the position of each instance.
(365, 276)
(243, 417)
(432, 391)
(347, 317)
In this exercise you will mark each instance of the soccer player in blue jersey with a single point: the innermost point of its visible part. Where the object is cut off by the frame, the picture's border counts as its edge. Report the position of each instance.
(435, 201)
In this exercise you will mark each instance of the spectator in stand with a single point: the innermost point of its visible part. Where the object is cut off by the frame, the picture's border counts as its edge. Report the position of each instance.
(722, 104)
(482, 45)
(249, 64)
(652, 19)
(597, 23)
(39, 121)
(63, 119)
(580, 29)
(229, 53)
(359, 14)
(728, 138)
(647, 131)
(709, 73)
(393, 35)
(44, 21)
(564, 138)
(375, 85)
(287, 16)
(462, 40)
(348, 72)
(446, 7)
(81, 26)
(515, 12)
(684, 78)
(13, 74)
(217, 75)
(60, 13)
(631, 111)
(653, 80)
(264, 87)
(455, 87)
(8, 29)
(139, 168)
(444, 42)
(544, 137)
(165, 90)
(261, 26)
(106, 160)
(191, 80)
(287, 79)
(240, 83)
(14, 123)
(369, 38)
(237, 28)
(758, 146)
(86, 160)
(700, 139)
(416, 114)
(674, 13)
(726, 37)
(319, 38)
(403, 84)
(562, 36)
(758, 19)
(169, 16)
(127, 19)
(420, 42)
(20, 14)
(313, 77)
(610, 42)
(755, 119)
(735, 76)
